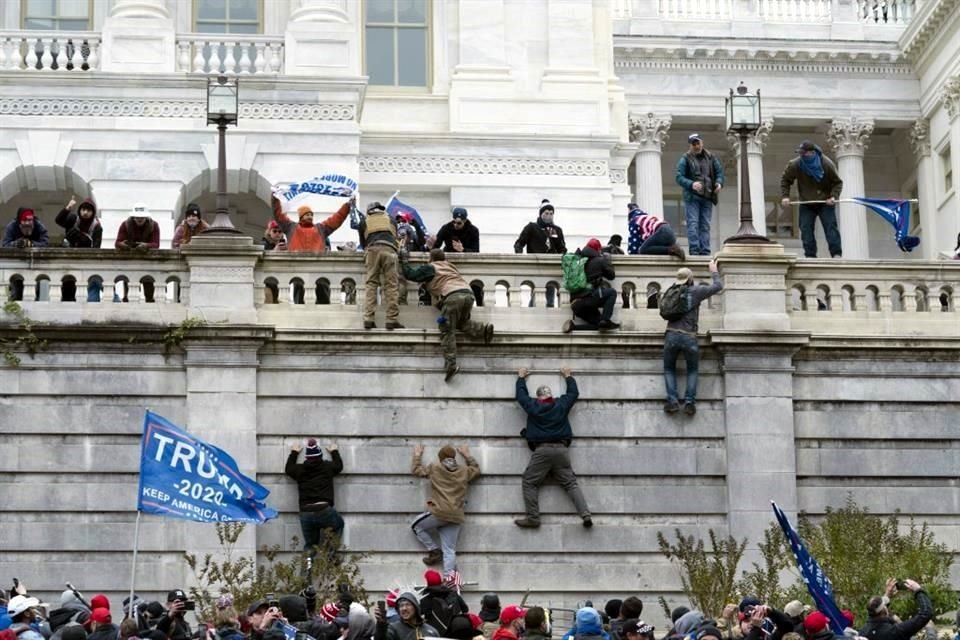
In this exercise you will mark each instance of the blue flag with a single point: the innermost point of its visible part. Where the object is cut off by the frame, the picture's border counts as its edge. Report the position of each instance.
(184, 477)
(331, 184)
(818, 584)
(395, 207)
(897, 213)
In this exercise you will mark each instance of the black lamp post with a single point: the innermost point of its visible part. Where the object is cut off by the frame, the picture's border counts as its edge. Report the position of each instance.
(222, 109)
(743, 118)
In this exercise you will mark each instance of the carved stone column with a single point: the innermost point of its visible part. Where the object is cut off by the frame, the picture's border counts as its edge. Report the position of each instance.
(756, 143)
(919, 135)
(323, 39)
(951, 103)
(138, 37)
(850, 138)
(651, 133)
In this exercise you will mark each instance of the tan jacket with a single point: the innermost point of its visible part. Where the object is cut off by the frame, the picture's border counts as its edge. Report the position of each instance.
(446, 280)
(447, 488)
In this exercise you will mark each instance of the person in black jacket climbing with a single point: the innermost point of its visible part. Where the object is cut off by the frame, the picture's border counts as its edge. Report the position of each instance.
(314, 478)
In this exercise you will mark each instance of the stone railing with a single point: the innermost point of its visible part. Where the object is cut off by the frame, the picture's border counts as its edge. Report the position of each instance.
(230, 54)
(889, 298)
(888, 12)
(49, 51)
(804, 11)
(696, 9)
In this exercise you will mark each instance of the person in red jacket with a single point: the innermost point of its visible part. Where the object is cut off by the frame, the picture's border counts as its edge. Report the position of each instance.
(305, 236)
(138, 231)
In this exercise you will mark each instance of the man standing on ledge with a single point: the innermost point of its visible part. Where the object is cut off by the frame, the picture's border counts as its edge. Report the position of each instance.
(700, 174)
(548, 435)
(818, 183)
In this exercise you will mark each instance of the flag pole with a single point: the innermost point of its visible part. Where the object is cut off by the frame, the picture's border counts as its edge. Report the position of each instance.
(131, 609)
(848, 200)
(395, 194)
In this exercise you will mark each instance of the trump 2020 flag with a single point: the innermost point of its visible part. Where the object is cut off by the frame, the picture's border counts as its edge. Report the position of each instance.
(394, 207)
(897, 213)
(330, 184)
(818, 584)
(182, 476)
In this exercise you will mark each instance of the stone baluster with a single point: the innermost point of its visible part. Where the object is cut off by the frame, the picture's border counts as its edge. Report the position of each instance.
(46, 59)
(93, 59)
(859, 300)
(756, 142)
(183, 56)
(60, 59)
(245, 58)
(909, 300)
(513, 296)
(76, 54)
(54, 291)
(884, 300)
(850, 138)
(260, 64)
(3, 53)
(810, 296)
(199, 61)
(950, 97)
(276, 61)
(229, 59)
(29, 290)
(214, 57)
(31, 59)
(16, 59)
(835, 300)
(651, 133)
(919, 135)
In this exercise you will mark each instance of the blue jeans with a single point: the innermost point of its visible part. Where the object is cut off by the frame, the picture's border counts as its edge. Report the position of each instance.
(313, 524)
(448, 532)
(698, 212)
(828, 219)
(658, 242)
(674, 344)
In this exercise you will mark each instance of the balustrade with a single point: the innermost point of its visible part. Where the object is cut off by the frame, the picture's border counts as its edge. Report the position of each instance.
(849, 298)
(795, 10)
(889, 12)
(696, 9)
(230, 54)
(49, 51)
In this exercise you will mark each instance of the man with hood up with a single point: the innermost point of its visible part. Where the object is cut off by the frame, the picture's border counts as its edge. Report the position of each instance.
(818, 181)
(72, 609)
(444, 515)
(302, 234)
(594, 304)
(83, 229)
(588, 625)
(548, 434)
(489, 614)
(410, 626)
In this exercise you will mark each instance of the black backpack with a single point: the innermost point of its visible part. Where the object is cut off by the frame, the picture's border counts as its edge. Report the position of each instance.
(675, 302)
(441, 611)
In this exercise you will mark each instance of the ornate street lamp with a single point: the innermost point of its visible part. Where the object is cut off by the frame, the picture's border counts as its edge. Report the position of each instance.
(743, 118)
(222, 109)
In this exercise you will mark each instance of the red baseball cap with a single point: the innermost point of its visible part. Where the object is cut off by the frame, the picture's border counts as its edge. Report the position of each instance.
(815, 622)
(25, 215)
(510, 613)
(101, 616)
(432, 577)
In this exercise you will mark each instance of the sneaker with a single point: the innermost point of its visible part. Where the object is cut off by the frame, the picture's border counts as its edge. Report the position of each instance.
(587, 522)
(671, 407)
(567, 326)
(608, 324)
(452, 370)
(394, 325)
(434, 556)
(527, 523)
(690, 408)
(487, 333)
(676, 251)
(369, 324)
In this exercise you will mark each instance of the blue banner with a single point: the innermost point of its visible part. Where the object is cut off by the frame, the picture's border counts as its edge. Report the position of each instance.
(897, 213)
(395, 207)
(331, 184)
(184, 477)
(818, 584)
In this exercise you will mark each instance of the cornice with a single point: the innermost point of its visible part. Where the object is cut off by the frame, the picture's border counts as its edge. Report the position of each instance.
(927, 22)
(109, 107)
(760, 56)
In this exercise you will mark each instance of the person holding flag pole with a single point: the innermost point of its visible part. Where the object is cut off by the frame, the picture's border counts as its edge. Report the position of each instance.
(819, 186)
(184, 477)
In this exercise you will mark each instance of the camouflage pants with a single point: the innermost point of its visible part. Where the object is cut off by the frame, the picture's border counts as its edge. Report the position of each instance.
(456, 310)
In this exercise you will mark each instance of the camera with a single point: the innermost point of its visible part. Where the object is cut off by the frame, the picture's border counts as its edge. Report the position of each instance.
(272, 601)
(188, 605)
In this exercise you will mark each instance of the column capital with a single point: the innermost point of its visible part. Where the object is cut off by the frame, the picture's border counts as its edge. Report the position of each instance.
(651, 131)
(919, 135)
(756, 141)
(950, 97)
(850, 136)
(319, 11)
(139, 9)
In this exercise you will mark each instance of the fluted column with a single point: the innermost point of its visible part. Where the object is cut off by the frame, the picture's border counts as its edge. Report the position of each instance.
(756, 142)
(919, 135)
(651, 133)
(850, 138)
(951, 102)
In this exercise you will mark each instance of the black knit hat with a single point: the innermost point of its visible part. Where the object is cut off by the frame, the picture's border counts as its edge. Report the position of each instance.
(545, 206)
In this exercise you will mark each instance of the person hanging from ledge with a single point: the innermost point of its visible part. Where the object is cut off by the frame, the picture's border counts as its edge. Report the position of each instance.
(594, 302)
(303, 235)
(452, 295)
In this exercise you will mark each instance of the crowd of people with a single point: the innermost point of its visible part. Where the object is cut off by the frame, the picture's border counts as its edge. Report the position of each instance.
(436, 609)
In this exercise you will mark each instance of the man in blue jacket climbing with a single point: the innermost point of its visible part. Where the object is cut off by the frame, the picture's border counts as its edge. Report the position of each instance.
(548, 435)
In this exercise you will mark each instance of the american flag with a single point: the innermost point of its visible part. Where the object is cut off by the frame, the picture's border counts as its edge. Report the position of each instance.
(453, 580)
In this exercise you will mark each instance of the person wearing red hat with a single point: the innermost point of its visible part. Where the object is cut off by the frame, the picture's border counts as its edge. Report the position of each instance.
(594, 304)
(440, 604)
(25, 231)
(816, 626)
(314, 478)
(302, 234)
(511, 623)
(101, 624)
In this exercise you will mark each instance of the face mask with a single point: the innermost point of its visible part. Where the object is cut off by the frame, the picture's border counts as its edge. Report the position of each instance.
(547, 218)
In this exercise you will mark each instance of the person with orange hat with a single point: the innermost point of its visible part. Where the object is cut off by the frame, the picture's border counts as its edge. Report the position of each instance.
(302, 234)
(594, 304)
